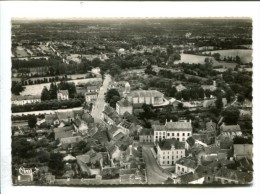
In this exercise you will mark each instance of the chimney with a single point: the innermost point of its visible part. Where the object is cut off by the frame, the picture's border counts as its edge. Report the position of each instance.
(171, 121)
(190, 120)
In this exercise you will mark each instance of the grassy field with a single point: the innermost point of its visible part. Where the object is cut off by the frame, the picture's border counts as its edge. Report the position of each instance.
(189, 58)
(20, 52)
(244, 54)
(37, 88)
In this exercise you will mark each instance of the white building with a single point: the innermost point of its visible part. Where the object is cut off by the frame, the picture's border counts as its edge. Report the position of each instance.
(169, 151)
(63, 95)
(179, 130)
(90, 96)
(185, 165)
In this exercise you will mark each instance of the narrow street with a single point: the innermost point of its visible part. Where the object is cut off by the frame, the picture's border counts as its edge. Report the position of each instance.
(154, 173)
(100, 102)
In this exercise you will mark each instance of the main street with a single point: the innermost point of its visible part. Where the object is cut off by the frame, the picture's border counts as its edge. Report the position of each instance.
(154, 172)
(100, 102)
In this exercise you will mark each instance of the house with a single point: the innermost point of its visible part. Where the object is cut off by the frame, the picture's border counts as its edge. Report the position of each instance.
(190, 178)
(229, 176)
(243, 151)
(91, 158)
(110, 116)
(246, 165)
(63, 132)
(91, 96)
(230, 130)
(169, 151)
(63, 94)
(211, 126)
(113, 151)
(207, 172)
(152, 97)
(92, 89)
(185, 165)
(84, 169)
(22, 100)
(70, 141)
(179, 130)
(212, 87)
(66, 116)
(123, 106)
(146, 135)
(209, 103)
(51, 119)
(180, 87)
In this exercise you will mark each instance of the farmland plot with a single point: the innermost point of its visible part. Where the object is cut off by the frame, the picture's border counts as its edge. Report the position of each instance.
(189, 58)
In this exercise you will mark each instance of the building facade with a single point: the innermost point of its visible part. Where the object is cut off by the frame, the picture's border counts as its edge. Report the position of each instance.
(169, 151)
(179, 130)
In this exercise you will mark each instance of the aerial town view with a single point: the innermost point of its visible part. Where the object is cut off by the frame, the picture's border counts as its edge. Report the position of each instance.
(132, 102)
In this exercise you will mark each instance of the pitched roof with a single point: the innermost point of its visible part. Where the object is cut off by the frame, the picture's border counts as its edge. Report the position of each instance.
(146, 93)
(63, 132)
(70, 140)
(167, 144)
(83, 158)
(83, 167)
(50, 118)
(230, 128)
(175, 126)
(158, 127)
(234, 175)
(124, 103)
(64, 92)
(211, 126)
(189, 177)
(245, 150)
(188, 162)
(145, 131)
(212, 149)
(63, 115)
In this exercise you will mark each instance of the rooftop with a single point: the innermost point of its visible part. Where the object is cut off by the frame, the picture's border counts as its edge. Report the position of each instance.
(188, 162)
(167, 144)
(146, 93)
(124, 103)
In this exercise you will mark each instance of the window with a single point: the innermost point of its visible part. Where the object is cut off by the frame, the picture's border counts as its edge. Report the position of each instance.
(177, 157)
(183, 134)
(179, 168)
(160, 133)
(172, 134)
(178, 134)
(168, 134)
(182, 169)
(163, 162)
(183, 139)
(168, 162)
(178, 139)
(163, 157)
(156, 133)
(188, 134)
(168, 157)
(163, 137)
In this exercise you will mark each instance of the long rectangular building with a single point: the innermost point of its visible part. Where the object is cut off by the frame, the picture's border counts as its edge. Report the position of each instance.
(181, 131)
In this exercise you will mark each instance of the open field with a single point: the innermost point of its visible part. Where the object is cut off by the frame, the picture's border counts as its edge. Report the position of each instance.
(189, 58)
(37, 88)
(20, 52)
(244, 54)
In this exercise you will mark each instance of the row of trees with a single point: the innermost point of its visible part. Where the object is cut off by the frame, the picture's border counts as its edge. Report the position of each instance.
(48, 105)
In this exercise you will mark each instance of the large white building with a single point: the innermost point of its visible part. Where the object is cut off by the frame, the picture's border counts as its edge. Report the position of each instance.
(152, 97)
(169, 151)
(179, 130)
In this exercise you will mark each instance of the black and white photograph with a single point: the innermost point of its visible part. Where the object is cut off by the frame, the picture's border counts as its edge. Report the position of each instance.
(131, 101)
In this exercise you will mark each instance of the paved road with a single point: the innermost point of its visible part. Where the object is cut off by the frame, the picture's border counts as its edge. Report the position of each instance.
(154, 173)
(100, 102)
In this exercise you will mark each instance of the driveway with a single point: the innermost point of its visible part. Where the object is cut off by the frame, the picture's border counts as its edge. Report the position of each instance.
(100, 102)
(154, 172)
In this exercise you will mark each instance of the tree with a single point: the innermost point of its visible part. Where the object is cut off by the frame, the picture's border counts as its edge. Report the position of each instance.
(240, 98)
(22, 148)
(45, 95)
(32, 120)
(207, 93)
(231, 115)
(110, 94)
(43, 156)
(216, 56)
(17, 88)
(113, 101)
(219, 103)
(53, 91)
(56, 163)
